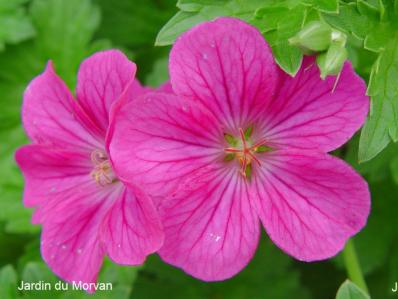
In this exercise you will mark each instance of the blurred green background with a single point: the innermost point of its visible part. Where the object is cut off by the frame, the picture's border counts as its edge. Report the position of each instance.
(66, 31)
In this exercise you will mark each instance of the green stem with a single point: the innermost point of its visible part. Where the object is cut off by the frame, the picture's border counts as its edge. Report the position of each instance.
(352, 266)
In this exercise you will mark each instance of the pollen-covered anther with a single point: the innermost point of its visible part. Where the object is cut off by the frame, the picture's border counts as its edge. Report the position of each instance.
(102, 172)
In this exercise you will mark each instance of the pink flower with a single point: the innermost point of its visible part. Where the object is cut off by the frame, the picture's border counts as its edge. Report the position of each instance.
(85, 209)
(242, 143)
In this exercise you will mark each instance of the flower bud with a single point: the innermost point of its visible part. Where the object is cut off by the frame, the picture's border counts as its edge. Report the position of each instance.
(338, 37)
(313, 37)
(332, 61)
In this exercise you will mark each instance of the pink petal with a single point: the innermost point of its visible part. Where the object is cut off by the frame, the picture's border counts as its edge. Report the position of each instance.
(101, 79)
(50, 172)
(308, 113)
(70, 206)
(310, 203)
(70, 235)
(211, 229)
(227, 66)
(82, 221)
(132, 228)
(51, 116)
(158, 139)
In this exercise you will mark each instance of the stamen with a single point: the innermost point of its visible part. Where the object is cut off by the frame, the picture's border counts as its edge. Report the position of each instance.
(102, 172)
(254, 158)
(232, 150)
(242, 136)
(246, 154)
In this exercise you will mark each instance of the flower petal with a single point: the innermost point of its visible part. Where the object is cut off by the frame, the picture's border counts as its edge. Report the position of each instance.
(70, 206)
(211, 229)
(158, 139)
(132, 228)
(227, 66)
(310, 113)
(49, 172)
(310, 203)
(51, 116)
(101, 79)
(70, 242)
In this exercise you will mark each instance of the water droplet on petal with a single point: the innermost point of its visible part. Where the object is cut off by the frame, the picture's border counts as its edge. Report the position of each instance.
(52, 257)
(79, 251)
(205, 57)
(63, 246)
(215, 237)
(118, 245)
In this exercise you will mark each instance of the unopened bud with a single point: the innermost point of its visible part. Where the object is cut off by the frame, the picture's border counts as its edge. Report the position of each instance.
(313, 37)
(338, 37)
(331, 62)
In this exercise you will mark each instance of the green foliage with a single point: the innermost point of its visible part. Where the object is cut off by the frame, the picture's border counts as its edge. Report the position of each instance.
(64, 32)
(15, 24)
(349, 290)
(373, 23)
(269, 275)
(8, 282)
(193, 12)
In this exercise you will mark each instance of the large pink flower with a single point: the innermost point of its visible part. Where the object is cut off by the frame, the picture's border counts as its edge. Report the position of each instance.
(85, 209)
(242, 143)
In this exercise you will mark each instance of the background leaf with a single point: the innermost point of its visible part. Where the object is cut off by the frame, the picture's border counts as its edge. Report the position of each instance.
(348, 290)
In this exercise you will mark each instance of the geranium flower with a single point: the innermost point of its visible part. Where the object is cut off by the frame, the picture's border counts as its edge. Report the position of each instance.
(242, 143)
(85, 209)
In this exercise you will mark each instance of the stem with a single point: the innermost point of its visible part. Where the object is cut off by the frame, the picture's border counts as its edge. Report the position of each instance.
(352, 266)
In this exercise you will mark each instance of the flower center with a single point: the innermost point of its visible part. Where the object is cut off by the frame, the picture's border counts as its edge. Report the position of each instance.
(244, 150)
(102, 172)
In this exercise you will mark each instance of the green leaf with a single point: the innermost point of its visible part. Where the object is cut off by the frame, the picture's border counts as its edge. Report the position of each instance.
(196, 11)
(36, 272)
(65, 29)
(289, 23)
(349, 290)
(394, 169)
(382, 124)
(15, 28)
(159, 73)
(350, 20)
(8, 283)
(330, 6)
(133, 23)
(15, 25)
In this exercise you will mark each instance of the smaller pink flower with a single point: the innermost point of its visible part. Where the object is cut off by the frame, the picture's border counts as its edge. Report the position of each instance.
(241, 144)
(85, 209)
